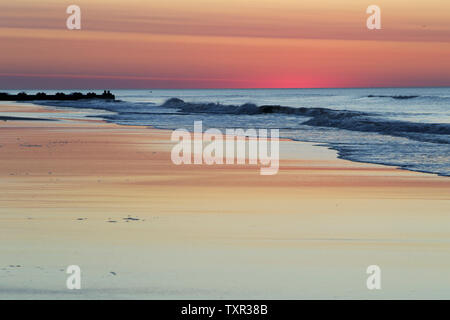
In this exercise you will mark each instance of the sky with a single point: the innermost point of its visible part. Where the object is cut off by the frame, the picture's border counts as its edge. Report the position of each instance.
(223, 44)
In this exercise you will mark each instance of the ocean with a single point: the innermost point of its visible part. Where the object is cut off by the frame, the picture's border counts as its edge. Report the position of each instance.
(403, 127)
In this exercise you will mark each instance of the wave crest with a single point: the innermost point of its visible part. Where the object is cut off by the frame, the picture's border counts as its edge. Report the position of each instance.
(324, 117)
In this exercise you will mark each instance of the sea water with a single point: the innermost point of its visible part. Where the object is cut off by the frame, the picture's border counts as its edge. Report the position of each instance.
(404, 127)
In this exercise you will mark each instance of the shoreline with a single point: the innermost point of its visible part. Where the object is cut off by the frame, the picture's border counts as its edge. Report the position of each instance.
(327, 146)
(107, 198)
(341, 152)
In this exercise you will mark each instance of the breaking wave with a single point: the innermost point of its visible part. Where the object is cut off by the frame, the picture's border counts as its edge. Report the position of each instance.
(359, 134)
(324, 117)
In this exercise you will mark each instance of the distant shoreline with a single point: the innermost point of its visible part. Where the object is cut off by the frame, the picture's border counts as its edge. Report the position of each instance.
(59, 96)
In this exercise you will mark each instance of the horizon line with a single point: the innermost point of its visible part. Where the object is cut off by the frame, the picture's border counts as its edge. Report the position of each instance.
(250, 88)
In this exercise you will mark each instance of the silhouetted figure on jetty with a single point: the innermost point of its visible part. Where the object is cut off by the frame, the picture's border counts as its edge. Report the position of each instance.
(23, 96)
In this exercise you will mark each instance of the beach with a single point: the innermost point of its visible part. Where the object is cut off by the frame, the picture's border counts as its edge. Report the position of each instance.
(109, 199)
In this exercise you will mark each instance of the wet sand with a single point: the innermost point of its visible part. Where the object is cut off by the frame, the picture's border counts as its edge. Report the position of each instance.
(108, 198)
